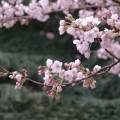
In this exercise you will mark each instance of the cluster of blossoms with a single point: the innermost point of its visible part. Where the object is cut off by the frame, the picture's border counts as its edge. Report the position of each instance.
(12, 11)
(56, 74)
(108, 42)
(86, 31)
(20, 78)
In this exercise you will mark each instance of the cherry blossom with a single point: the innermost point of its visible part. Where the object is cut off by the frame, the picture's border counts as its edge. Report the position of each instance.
(85, 31)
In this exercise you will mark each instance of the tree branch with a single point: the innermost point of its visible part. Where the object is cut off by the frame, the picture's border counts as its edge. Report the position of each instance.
(116, 1)
(103, 70)
(112, 54)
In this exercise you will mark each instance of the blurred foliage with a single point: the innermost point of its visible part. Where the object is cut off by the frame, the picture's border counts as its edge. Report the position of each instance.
(25, 47)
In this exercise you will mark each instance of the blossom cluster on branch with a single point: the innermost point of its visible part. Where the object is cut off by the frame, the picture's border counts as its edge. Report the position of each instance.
(12, 11)
(57, 75)
(85, 30)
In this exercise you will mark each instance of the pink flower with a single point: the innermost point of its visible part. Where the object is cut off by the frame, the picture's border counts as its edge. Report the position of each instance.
(71, 31)
(96, 68)
(59, 89)
(61, 30)
(56, 66)
(49, 62)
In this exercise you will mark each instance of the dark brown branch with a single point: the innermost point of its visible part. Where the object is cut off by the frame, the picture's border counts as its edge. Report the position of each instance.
(116, 1)
(95, 6)
(33, 81)
(112, 54)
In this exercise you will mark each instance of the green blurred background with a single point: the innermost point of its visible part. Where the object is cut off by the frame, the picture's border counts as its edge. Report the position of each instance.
(26, 47)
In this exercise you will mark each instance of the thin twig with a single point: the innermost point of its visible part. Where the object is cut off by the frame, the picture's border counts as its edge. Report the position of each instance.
(33, 81)
(112, 54)
(116, 1)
